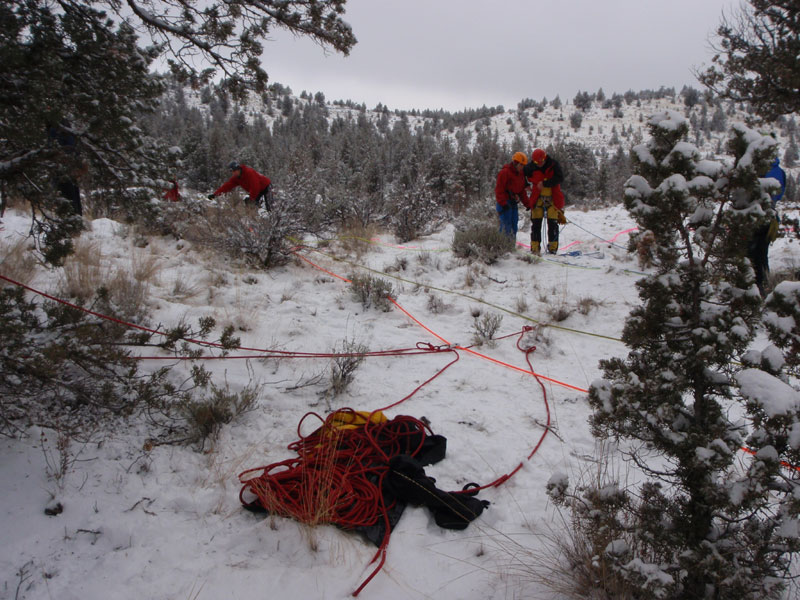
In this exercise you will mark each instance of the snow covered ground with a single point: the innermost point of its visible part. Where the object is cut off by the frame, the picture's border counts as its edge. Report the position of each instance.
(166, 523)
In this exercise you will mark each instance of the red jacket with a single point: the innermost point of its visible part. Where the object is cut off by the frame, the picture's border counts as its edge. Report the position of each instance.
(551, 176)
(173, 195)
(509, 180)
(250, 179)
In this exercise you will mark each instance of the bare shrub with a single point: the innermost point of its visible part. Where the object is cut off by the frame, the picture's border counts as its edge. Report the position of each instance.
(400, 264)
(371, 291)
(522, 304)
(571, 558)
(206, 416)
(560, 311)
(262, 239)
(472, 275)
(482, 242)
(586, 304)
(597, 535)
(436, 305)
(485, 328)
(349, 358)
(58, 459)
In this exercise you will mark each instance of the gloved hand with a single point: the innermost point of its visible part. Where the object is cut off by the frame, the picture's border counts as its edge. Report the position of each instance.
(211, 196)
(562, 219)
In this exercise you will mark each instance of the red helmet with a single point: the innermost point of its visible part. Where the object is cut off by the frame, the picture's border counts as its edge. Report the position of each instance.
(538, 156)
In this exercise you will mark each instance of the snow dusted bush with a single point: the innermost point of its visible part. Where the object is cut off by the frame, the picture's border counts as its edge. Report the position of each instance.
(415, 211)
(702, 524)
(68, 370)
(782, 320)
(371, 291)
(483, 242)
(59, 368)
(264, 239)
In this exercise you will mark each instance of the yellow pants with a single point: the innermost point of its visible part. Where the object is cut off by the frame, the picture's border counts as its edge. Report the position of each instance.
(537, 214)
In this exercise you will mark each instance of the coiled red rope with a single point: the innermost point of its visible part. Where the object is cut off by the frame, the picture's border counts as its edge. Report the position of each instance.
(338, 474)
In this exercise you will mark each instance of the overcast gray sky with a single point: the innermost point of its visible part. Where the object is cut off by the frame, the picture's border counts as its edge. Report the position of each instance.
(457, 54)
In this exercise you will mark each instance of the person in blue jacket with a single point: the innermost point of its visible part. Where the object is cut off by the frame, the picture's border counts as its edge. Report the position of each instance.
(758, 248)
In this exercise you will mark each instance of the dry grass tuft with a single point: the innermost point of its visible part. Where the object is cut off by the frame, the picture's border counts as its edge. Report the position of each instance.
(83, 273)
(185, 288)
(145, 267)
(355, 240)
(17, 262)
(569, 558)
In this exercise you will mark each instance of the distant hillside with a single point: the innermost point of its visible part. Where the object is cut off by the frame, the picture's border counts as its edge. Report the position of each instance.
(375, 155)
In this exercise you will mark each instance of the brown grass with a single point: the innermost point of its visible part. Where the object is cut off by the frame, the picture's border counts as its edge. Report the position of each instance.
(83, 272)
(17, 262)
(354, 240)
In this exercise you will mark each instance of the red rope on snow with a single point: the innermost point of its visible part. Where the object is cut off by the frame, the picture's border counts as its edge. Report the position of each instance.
(420, 348)
(338, 474)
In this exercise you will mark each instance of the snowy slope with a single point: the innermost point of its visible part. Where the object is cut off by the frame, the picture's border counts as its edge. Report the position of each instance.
(166, 522)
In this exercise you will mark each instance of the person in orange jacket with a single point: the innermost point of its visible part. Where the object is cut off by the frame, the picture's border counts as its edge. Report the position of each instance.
(254, 183)
(546, 176)
(172, 194)
(509, 191)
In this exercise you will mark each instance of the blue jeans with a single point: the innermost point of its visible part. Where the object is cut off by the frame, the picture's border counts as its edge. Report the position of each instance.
(509, 216)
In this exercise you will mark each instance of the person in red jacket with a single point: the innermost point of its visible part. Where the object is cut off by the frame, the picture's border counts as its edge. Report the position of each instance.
(256, 184)
(509, 192)
(545, 175)
(172, 194)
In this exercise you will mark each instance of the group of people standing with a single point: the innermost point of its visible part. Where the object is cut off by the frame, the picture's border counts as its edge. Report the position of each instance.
(544, 176)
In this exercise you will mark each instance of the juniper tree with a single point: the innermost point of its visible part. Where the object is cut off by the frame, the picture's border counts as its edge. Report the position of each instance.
(706, 522)
(72, 85)
(78, 71)
(756, 57)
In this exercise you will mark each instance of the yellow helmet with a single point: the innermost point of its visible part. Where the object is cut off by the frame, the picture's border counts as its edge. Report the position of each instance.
(520, 158)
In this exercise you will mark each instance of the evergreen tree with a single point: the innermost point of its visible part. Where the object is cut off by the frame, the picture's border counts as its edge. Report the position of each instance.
(791, 156)
(600, 96)
(73, 86)
(699, 526)
(614, 171)
(691, 96)
(580, 170)
(582, 101)
(756, 58)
